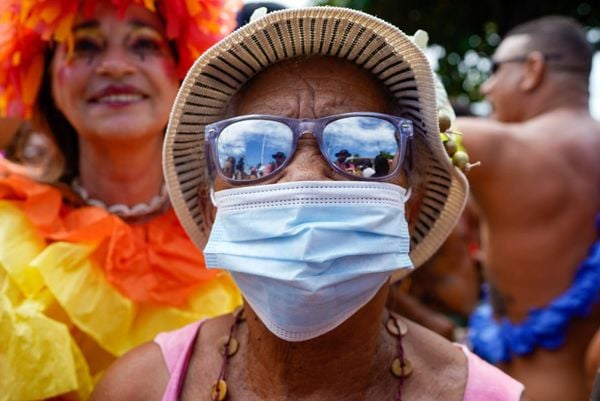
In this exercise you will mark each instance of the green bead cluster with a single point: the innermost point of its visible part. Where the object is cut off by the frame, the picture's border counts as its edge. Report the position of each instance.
(452, 141)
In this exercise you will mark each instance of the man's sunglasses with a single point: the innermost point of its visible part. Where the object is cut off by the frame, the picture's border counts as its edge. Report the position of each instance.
(520, 59)
(255, 147)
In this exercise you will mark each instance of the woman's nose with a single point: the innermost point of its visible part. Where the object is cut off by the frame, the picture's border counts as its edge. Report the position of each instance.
(115, 64)
(484, 89)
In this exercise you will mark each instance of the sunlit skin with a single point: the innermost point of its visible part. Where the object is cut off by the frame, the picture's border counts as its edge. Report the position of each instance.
(116, 88)
(524, 78)
(499, 88)
(538, 191)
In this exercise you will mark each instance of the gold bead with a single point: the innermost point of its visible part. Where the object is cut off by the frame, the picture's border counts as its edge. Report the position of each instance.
(400, 370)
(460, 159)
(222, 389)
(394, 324)
(234, 345)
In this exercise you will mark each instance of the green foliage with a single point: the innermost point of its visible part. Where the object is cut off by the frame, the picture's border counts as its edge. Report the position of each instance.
(467, 33)
(387, 155)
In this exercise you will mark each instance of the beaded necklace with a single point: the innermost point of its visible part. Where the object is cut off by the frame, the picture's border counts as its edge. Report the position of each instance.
(401, 367)
(141, 209)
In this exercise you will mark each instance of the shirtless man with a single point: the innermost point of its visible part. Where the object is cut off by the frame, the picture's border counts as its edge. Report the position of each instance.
(539, 192)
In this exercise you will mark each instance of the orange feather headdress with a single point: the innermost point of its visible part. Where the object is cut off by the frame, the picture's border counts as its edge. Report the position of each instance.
(28, 26)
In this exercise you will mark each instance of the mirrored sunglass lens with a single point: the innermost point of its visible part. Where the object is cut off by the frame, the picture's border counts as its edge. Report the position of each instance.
(251, 149)
(361, 145)
(494, 67)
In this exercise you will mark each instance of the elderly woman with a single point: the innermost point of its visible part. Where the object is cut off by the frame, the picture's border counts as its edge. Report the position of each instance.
(312, 247)
(96, 262)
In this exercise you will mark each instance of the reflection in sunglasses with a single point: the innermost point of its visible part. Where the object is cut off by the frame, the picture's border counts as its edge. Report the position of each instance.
(363, 145)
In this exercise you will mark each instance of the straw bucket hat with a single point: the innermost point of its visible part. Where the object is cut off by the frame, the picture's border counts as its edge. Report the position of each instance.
(380, 48)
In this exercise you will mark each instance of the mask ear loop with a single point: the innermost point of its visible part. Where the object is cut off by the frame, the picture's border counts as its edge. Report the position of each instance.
(210, 172)
(213, 199)
(409, 170)
(407, 194)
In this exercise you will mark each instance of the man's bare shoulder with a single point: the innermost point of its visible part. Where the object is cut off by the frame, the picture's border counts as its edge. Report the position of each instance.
(483, 137)
(489, 142)
(478, 126)
(570, 139)
(558, 141)
(141, 374)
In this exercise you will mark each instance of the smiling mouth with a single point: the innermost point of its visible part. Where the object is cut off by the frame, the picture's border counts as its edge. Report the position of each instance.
(122, 99)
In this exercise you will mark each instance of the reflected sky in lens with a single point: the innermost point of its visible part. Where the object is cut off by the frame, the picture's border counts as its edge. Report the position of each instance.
(254, 140)
(362, 136)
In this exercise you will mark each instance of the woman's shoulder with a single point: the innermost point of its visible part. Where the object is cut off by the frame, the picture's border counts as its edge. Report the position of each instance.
(435, 356)
(460, 375)
(140, 374)
(144, 372)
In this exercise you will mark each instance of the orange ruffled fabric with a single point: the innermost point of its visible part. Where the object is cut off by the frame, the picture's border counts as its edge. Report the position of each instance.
(79, 287)
(151, 262)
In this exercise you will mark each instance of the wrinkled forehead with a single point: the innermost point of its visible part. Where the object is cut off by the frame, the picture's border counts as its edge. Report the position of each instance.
(312, 87)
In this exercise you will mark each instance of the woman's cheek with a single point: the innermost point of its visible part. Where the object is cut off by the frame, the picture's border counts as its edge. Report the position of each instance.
(170, 69)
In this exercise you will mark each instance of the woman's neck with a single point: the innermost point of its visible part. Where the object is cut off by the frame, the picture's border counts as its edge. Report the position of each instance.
(346, 362)
(127, 173)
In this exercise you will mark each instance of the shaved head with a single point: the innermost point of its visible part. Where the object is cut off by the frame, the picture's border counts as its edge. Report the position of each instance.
(562, 39)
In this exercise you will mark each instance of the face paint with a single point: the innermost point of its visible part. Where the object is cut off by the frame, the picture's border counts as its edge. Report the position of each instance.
(120, 79)
(88, 42)
(145, 41)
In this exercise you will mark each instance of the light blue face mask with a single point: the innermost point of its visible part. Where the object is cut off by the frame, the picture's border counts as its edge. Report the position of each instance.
(308, 255)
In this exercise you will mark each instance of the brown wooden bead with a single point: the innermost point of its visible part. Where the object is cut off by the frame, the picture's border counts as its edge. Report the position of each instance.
(444, 122)
(241, 312)
(234, 345)
(394, 324)
(400, 370)
(221, 385)
(451, 147)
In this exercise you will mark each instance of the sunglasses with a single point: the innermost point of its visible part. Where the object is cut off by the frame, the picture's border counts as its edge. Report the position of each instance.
(520, 59)
(361, 146)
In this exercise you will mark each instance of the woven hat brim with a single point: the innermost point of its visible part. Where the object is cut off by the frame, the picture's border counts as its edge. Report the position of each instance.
(380, 48)
(441, 227)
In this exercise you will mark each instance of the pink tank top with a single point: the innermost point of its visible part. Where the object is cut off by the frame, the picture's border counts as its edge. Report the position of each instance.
(484, 381)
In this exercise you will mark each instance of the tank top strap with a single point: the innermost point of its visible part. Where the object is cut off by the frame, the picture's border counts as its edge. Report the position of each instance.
(176, 347)
(486, 382)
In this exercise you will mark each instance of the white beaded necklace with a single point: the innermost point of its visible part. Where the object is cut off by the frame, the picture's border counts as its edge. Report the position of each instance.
(141, 209)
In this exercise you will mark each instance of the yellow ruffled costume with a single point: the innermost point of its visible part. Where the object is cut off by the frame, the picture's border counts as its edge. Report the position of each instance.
(80, 287)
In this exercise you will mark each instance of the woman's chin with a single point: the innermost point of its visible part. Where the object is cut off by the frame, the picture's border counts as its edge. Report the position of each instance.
(122, 128)
(121, 135)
